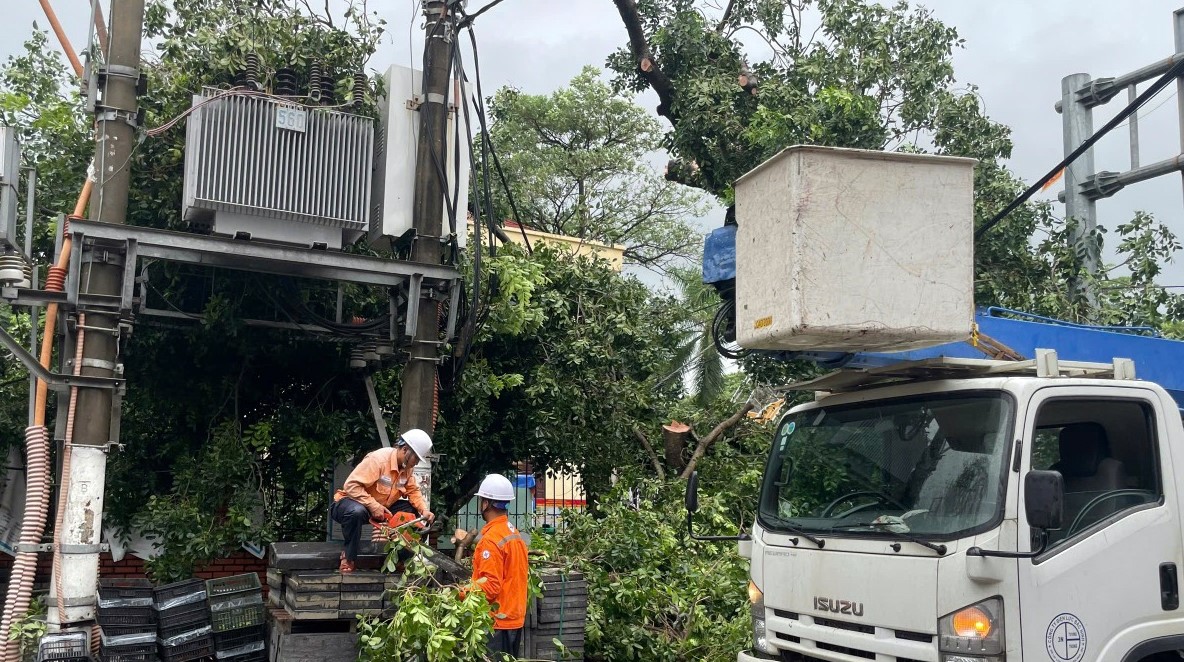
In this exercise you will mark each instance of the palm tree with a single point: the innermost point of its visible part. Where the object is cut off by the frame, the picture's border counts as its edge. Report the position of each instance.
(696, 359)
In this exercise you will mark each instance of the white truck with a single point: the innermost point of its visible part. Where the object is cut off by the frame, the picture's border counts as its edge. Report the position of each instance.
(934, 506)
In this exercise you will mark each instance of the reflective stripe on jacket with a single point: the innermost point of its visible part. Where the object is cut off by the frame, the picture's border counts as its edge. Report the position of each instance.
(377, 483)
(500, 559)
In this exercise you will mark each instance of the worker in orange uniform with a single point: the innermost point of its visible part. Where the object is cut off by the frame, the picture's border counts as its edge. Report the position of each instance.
(372, 489)
(500, 567)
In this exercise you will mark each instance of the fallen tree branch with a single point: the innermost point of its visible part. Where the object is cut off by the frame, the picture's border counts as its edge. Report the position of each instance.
(715, 435)
(645, 443)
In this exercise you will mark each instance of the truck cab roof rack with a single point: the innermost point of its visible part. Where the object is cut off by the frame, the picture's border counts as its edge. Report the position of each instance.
(1046, 364)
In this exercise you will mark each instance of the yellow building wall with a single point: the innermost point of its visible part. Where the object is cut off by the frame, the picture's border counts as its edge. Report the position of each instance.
(615, 254)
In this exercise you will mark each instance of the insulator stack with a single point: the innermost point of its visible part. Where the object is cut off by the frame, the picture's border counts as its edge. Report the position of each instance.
(314, 82)
(55, 280)
(251, 74)
(361, 82)
(286, 82)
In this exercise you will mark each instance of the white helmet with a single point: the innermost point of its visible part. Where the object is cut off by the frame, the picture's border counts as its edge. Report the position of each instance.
(419, 442)
(496, 487)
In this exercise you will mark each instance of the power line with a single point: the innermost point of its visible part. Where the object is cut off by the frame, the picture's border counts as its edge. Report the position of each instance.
(1118, 119)
(472, 17)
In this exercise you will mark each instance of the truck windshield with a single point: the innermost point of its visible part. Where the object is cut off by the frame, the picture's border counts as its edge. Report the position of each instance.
(932, 467)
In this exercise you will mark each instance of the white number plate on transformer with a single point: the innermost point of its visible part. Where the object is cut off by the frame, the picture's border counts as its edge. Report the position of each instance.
(291, 119)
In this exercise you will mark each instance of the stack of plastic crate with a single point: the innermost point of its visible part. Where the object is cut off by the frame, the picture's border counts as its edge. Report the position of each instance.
(64, 647)
(184, 632)
(127, 621)
(237, 618)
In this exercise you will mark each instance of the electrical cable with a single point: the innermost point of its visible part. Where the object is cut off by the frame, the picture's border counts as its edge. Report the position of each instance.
(486, 146)
(469, 18)
(1130, 109)
(719, 327)
(298, 309)
(483, 205)
(486, 139)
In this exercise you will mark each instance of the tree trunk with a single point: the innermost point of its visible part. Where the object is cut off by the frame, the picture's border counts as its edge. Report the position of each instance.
(674, 438)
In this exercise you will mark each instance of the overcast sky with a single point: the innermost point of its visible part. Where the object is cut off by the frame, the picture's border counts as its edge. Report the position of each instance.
(1016, 51)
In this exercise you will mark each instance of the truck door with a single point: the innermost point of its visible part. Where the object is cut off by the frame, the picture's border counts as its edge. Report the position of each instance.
(1107, 580)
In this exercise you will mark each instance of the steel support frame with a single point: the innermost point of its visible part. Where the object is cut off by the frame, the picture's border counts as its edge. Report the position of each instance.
(103, 240)
(108, 242)
(1080, 94)
(55, 381)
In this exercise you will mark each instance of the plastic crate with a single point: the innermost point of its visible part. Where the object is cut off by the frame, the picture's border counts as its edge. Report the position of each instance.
(232, 639)
(63, 647)
(192, 650)
(132, 650)
(257, 656)
(184, 614)
(237, 618)
(121, 630)
(126, 616)
(114, 589)
(177, 591)
(129, 657)
(196, 622)
(216, 588)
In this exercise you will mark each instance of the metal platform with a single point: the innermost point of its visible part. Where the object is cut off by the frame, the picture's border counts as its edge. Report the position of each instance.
(128, 246)
(1045, 364)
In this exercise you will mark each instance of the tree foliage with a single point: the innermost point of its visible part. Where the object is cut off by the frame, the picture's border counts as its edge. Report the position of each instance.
(435, 621)
(563, 367)
(575, 161)
(653, 593)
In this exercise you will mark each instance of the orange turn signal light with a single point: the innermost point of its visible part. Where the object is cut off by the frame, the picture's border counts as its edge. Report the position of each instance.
(972, 622)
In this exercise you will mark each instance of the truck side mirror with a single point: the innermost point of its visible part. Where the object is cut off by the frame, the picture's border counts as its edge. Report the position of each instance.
(1044, 499)
(1044, 505)
(693, 493)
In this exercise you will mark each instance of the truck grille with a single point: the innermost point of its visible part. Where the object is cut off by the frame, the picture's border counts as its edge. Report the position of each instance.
(807, 637)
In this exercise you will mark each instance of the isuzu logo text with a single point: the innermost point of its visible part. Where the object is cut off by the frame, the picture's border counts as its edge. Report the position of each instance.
(838, 606)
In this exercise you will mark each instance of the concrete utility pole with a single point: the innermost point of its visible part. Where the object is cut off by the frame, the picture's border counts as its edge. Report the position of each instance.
(419, 378)
(116, 113)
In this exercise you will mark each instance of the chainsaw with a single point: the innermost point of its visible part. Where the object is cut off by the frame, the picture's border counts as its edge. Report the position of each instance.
(399, 524)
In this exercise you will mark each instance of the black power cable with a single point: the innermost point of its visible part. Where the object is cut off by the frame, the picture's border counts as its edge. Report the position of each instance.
(472, 17)
(1131, 108)
(487, 142)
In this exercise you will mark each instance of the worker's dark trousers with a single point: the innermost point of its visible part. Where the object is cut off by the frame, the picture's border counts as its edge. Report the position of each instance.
(352, 515)
(505, 641)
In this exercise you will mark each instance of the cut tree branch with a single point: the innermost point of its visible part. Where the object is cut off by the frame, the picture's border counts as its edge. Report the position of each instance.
(649, 69)
(727, 18)
(649, 450)
(715, 435)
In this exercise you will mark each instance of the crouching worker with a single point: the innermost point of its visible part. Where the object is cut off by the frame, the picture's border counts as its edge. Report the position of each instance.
(500, 567)
(372, 489)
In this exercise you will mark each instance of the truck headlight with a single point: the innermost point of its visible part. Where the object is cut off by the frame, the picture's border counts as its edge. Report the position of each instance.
(760, 634)
(973, 633)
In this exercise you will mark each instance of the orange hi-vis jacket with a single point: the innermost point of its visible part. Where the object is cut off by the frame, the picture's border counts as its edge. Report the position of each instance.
(377, 483)
(500, 559)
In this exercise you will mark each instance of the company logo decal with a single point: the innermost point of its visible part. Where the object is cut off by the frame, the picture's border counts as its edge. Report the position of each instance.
(1065, 639)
